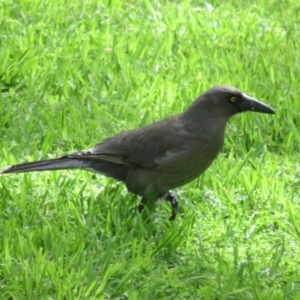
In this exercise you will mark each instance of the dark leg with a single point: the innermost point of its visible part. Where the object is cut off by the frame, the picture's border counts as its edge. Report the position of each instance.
(171, 197)
(142, 204)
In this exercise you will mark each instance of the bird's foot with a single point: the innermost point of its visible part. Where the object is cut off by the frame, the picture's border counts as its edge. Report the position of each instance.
(142, 205)
(171, 197)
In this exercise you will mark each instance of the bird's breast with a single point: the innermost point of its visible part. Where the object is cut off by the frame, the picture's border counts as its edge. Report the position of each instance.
(186, 165)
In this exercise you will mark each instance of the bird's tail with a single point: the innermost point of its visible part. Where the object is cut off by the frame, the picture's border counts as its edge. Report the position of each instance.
(62, 163)
(116, 171)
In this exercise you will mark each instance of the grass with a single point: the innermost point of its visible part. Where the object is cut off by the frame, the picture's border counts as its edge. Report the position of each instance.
(73, 73)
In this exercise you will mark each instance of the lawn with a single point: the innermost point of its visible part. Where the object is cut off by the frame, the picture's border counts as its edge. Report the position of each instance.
(75, 72)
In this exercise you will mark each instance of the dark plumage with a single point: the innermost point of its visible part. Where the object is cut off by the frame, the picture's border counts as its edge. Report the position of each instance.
(164, 155)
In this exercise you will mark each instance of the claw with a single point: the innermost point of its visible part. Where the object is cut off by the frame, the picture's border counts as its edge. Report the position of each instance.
(171, 197)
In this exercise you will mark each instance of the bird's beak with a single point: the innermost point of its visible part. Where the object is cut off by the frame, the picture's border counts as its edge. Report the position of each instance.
(252, 104)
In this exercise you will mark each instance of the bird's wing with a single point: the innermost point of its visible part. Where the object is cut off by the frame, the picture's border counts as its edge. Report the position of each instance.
(145, 147)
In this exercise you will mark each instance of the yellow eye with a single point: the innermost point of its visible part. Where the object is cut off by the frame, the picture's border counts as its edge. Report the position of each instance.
(233, 99)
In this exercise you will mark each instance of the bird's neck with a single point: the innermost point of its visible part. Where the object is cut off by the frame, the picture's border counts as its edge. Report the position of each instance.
(199, 119)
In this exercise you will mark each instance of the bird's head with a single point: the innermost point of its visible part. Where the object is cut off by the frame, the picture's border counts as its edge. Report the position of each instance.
(229, 101)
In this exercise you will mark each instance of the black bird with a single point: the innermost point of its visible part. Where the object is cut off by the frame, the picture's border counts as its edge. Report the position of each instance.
(164, 155)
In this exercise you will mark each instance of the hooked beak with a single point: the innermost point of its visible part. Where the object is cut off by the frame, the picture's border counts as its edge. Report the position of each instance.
(251, 104)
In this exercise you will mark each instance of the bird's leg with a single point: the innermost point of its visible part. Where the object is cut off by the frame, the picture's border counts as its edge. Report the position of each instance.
(142, 204)
(148, 201)
(171, 197)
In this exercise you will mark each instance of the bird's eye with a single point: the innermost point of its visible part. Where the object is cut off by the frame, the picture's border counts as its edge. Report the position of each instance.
(233, 99)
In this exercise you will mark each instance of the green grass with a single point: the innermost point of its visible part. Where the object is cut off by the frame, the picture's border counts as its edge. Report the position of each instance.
(75, 72)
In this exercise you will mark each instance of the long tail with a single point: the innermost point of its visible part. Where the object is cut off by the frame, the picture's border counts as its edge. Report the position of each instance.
(116, 171)
(62, 163)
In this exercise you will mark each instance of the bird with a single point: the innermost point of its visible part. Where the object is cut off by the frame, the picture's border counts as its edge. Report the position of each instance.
(155, 159)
